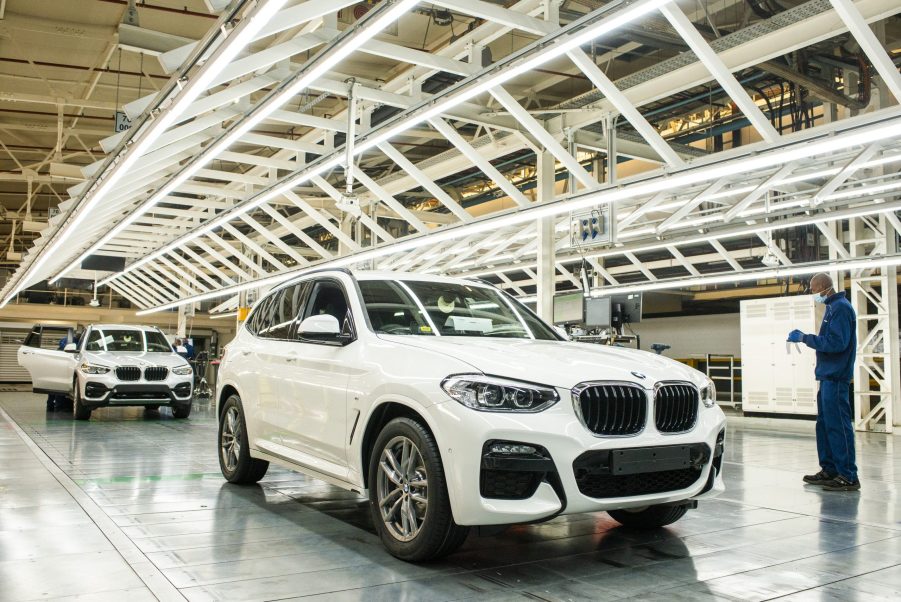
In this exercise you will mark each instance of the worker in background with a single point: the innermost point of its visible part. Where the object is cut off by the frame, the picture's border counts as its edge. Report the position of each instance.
(836, 346)
(188, 352)
(55, 401)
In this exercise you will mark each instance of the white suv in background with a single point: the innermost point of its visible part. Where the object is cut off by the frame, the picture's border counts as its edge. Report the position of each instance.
(110, 365)
(455, 406)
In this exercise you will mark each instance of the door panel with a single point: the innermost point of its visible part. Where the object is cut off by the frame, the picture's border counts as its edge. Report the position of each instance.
(313, 380)
(313, 399)
(50, 370)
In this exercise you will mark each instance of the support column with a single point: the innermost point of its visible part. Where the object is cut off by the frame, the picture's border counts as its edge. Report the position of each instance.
(874, 295)
(182, 326)
(546, 269)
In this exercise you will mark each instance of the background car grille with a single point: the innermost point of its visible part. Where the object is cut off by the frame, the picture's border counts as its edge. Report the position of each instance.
(675, 408)
(606, 486)
(609, 409)
(156, 373)
(128, 373)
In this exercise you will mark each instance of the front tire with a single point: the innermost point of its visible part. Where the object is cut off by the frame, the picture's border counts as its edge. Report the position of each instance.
(78, 408)
(234, 450)
(181, 411)
(652, 517)
(408, 494)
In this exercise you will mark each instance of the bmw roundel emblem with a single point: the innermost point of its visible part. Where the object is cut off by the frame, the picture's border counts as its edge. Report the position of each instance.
(638, 375)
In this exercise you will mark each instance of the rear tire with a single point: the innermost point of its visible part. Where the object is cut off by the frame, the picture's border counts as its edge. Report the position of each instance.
(78, 408)
(234, 450)
(181, 411)
(410, 529)
(652, 517)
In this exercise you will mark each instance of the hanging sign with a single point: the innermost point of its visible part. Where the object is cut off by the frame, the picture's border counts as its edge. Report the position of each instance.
(122, 122)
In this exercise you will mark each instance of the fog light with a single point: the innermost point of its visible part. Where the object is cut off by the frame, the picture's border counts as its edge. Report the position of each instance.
(512, 449)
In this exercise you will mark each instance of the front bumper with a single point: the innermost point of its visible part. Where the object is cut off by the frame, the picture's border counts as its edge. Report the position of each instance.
(106, 390)
(573, 470)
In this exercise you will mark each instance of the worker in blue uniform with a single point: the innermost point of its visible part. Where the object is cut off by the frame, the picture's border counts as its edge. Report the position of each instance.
(836, 346)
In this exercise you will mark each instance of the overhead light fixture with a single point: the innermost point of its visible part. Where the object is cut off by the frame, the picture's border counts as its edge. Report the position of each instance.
(750, 275)
(795, 151)
(152, 128)
(324, 61)
(823, 144)
(502, 75)
(872, 209)
(231, 314)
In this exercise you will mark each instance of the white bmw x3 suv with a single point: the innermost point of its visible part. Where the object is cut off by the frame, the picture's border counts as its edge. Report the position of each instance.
(110, 365)
(454, 405)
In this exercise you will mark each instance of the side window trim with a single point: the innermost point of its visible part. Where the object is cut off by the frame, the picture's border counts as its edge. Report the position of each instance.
(303, 291)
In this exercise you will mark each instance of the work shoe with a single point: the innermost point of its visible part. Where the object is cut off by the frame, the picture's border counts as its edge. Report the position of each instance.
(840, 483)
(819, 478)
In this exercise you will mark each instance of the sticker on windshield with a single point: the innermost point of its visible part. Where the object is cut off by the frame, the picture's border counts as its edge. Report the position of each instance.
(463, 323)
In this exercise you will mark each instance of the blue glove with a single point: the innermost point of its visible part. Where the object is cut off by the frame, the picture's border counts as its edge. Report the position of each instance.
(795, 336)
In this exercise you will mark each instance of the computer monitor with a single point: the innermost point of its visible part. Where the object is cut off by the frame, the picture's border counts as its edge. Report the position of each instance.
(569, 309)
(626, 308)
(598, 312)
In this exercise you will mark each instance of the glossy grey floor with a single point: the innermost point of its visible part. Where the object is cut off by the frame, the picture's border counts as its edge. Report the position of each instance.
(132, 507)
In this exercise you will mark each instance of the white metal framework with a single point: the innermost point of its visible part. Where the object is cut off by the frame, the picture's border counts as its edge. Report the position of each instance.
(276, 148)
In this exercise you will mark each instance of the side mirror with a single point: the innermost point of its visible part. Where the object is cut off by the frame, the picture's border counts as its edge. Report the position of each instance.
(324, 328)
(562, 332)
(181, 349)
(71, 348)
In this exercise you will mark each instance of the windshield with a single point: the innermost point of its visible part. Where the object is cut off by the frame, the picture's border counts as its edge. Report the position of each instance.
(413, 307)
(128, 340)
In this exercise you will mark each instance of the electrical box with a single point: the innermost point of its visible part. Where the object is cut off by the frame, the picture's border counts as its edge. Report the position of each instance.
(777, 376)
(592, 227)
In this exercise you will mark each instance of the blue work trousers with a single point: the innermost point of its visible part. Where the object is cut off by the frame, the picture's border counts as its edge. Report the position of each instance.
(835, 430)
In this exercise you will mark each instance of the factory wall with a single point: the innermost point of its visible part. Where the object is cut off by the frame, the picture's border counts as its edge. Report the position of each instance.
(692, 335)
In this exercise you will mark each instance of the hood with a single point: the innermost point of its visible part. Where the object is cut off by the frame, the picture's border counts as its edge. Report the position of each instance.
(558, 363)
(135, 358)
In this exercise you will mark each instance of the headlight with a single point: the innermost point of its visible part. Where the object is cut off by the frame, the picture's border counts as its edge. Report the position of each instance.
(93, 368)
(495, 394)
(182, 370)
(708, 394)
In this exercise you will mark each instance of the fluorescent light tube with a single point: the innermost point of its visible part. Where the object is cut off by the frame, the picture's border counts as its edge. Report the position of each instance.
(354, 40)
(144, 138)
(781, 272)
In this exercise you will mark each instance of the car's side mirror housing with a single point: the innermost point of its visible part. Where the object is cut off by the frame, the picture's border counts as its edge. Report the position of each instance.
(562, 332)
(181, 349)
(323, 328)
(71, 348)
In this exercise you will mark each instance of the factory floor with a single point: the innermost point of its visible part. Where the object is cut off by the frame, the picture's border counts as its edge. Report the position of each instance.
(129, 507)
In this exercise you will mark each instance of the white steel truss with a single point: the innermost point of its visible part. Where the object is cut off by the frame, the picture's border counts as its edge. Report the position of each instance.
(467, 156)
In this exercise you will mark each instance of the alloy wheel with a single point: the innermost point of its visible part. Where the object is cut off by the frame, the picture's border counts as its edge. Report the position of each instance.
(230, 445)
(402, 488)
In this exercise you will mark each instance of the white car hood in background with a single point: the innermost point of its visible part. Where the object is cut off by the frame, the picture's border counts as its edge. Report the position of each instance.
(557, 363)
(134, 358)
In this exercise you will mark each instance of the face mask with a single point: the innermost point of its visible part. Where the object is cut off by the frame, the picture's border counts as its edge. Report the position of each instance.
(819, 298)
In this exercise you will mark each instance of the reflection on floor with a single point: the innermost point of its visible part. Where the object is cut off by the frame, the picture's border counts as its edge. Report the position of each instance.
(132, 507)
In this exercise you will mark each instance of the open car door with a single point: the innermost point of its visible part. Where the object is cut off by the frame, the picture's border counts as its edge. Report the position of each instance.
(52, 370)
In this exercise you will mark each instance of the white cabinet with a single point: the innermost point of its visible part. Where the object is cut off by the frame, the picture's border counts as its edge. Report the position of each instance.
(777, 377)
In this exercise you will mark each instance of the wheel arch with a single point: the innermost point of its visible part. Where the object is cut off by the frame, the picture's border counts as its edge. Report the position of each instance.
(381, 415)
(227, 391)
